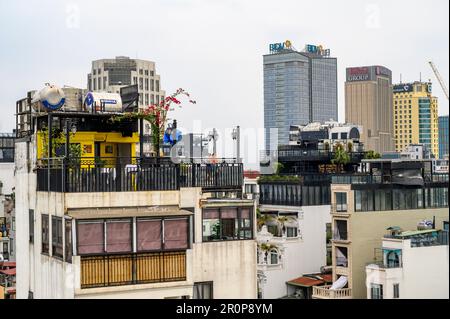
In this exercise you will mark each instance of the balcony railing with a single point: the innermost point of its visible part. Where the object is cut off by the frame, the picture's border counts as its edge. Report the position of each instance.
(135, 174)
(324, 292)
(132, 269)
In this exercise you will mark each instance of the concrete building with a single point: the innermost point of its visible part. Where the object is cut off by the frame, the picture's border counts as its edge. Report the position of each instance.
(413, 265)
(108, 224)
(415, 116)
(299, 88)
(110, 75)
(416, 151)
(291, 243)
(368, 102)
(7, 163)
(443, 136)
(363, 206)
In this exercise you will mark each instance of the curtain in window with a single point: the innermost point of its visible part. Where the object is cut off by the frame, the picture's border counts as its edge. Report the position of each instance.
(118, 236)
(90, 238)
(228, 213)
(210, 214)
(148, 235)
(245, 213)
(175, 233)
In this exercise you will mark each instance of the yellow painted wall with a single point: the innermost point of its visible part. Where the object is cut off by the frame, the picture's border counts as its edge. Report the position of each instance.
(87, 141)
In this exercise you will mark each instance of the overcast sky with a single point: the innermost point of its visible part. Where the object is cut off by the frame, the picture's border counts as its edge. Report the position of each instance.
(214, 48)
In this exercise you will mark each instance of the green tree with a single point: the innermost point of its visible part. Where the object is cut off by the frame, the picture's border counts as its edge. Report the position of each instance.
(263, 219)
(340, 158)
(372, 155)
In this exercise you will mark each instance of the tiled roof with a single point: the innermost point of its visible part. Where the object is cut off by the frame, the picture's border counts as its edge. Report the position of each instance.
(309, 281)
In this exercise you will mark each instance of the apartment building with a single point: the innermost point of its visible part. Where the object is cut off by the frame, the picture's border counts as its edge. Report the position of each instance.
(95, 221)
(416, 116)
(364, 205)
(413, 264)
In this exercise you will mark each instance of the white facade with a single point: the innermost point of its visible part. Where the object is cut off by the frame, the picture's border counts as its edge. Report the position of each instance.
(229, 265)
(300, 255)
(423, 273)
(7, 178)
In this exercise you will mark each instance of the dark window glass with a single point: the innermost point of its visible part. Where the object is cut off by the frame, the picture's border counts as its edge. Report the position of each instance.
(45, 233)
(396, 291)
(57, 237)
(31, 224)
(203, 290)
(341, 201)
(68, 240)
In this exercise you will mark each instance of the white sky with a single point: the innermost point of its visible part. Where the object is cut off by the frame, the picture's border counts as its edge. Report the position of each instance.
(213, 48)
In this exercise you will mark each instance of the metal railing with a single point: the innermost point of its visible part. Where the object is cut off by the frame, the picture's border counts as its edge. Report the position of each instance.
(324, 292)
(134, 174)
(132, 269)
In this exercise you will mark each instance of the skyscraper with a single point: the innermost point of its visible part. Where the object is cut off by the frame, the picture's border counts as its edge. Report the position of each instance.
(299, 88)
(368, 102)
(109, 75)
(443, 136)
(415, 116)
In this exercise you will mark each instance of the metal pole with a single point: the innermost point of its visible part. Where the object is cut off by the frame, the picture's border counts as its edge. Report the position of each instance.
(141, 137)
(238, 144)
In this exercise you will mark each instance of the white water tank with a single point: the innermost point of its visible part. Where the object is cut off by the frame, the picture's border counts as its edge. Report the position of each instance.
(103, 102)
(50, 98)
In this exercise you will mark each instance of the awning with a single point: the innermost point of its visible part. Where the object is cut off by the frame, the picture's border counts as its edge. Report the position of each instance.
(307, 281)
(119, 212)
(9, 272)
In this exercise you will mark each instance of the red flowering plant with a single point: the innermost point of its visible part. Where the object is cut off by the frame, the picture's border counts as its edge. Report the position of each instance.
(156, 115)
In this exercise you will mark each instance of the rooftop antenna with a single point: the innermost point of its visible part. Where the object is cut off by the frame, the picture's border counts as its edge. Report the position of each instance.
(420, 77)
(400, 78)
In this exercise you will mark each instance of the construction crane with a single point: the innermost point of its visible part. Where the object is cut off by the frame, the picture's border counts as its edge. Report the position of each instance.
(439, 78)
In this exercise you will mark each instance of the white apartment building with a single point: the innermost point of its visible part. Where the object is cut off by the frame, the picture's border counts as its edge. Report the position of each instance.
(290, 250)
(122, 226)
(414, 265)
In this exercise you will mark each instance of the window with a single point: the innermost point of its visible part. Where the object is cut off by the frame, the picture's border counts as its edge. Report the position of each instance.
(341, 202)
(149, 234)
(146, 84)
(376, 291)
(152, 85)
(118, 235)
(90, 237)
(291, 231)
(157, 85)
(57, 237)
(203, 290)
(274, 257)
(45, 233)
(68, 240)
(396, 291)
(31, 224)
(227, 223)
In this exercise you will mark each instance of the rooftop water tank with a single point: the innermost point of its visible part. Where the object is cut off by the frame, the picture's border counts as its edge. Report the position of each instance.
(50, 98)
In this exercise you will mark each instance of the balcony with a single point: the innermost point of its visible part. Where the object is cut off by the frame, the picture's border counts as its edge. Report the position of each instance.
(324, 292)
(132, 269)
(76, 175)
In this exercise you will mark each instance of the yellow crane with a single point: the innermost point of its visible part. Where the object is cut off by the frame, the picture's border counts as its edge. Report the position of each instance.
(439, 78)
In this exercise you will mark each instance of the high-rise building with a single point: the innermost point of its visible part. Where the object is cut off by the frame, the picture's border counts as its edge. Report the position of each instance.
(368, 102)
(299, 88)
(415, 116)
(443, 136)
(110, 75)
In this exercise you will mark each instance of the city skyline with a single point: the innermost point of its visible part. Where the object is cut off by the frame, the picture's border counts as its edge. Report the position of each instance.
(220, 65)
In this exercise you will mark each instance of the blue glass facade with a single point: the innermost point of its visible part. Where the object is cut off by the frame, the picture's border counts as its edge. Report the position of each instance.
(425, 122)
(298, 89)
(443, 136)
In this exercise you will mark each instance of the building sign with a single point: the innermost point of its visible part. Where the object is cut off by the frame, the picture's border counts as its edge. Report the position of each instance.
(402, 88)
(382, 71)
(317, 49)
(358, 74)
(276, 47)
